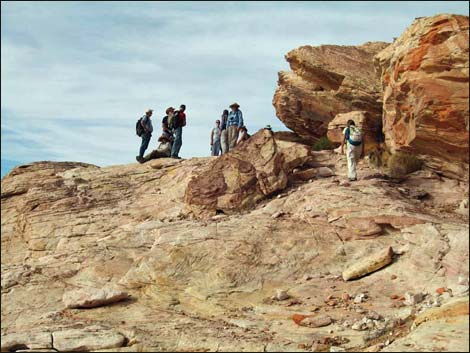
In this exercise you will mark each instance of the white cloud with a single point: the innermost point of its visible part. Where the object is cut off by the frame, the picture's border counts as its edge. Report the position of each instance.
(76, 76)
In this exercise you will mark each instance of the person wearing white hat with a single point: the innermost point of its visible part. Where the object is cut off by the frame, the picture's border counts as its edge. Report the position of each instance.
(234, 123)
(147, 135)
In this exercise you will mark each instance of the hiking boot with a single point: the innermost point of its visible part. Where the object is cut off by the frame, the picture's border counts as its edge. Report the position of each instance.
(352, 179)
(139, 159)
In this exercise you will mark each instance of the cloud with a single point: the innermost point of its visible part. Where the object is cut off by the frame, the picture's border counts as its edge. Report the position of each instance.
(76, 75)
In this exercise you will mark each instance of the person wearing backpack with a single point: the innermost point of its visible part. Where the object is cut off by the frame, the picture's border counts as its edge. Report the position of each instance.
(177, 122)
(234, 123)
(145, 128)
(354, 147)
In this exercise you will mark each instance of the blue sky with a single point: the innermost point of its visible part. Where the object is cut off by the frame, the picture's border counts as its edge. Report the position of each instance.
(77, 75)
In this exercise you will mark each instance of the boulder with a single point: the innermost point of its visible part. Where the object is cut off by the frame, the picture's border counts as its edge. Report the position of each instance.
(88, 339)
(316, 321)
(424, 75)
(91, 297)
(327, 80)
(369, 264)
(26, 340)
(249, 173)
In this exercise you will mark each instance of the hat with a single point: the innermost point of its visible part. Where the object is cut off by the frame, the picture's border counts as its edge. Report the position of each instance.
(234, 104)
(268, 127)
(149, 111)
(163, 137)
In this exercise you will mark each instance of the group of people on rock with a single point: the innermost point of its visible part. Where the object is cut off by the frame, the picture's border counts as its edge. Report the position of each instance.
(229, 131)
(171, 139)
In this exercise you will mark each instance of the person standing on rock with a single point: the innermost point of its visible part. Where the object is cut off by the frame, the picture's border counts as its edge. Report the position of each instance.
(147, 135)
(215, 139)
(166, 130)
(224, 132)
(180, 122)
(354, 143)
(234, 123)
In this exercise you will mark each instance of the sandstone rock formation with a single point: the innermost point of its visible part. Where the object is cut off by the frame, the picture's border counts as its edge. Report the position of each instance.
(251, 172)
(327, 80)
(369, 264)
(371, 126)
(425, 78)
(206, 284)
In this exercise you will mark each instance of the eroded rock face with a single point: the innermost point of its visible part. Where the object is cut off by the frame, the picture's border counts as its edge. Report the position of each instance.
(237, 180)
(327, 80)
(424, 74)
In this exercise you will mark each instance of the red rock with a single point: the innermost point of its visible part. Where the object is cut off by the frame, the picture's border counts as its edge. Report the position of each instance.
(393, 277)
(425, 80)
(322, 84)
(345, 296)
(250, 172)
(394, 296)
(441, 290)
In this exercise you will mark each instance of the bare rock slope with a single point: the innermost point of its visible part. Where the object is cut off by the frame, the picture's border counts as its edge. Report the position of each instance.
(265, 278)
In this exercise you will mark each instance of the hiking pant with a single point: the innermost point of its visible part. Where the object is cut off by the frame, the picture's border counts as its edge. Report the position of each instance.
(145, 143)
(232, 136)
(224, 141)
(215, 150)
(154, 155)
(353, 153)
(175, 149)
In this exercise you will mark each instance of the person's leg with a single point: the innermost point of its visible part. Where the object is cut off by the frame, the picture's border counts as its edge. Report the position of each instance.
(144, 144)
(224, 141)
(175, 149)
(351, 157)
(233, 136)
(216, 147)
(153, 155)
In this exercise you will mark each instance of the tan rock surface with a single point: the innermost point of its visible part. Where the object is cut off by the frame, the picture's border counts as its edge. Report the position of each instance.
(424, 74)
(327, 80)
(207, 284)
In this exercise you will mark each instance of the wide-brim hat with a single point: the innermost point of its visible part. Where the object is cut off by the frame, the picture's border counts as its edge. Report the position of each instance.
(163, 137)
(234, 105)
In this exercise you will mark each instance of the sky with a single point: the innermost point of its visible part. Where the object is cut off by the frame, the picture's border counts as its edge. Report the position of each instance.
(76, 76)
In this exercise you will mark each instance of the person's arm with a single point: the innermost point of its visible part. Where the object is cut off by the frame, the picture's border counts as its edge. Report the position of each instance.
(212, 137)
(240, 119)
(342, 142)
(144, 125)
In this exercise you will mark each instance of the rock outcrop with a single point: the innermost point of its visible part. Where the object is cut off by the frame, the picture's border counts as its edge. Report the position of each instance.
(207, 284)
(254, 170)
(327, 80)
(425, 78)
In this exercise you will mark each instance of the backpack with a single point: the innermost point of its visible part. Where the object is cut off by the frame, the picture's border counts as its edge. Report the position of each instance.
(173, 120)
(355, 136)
(139, 130)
